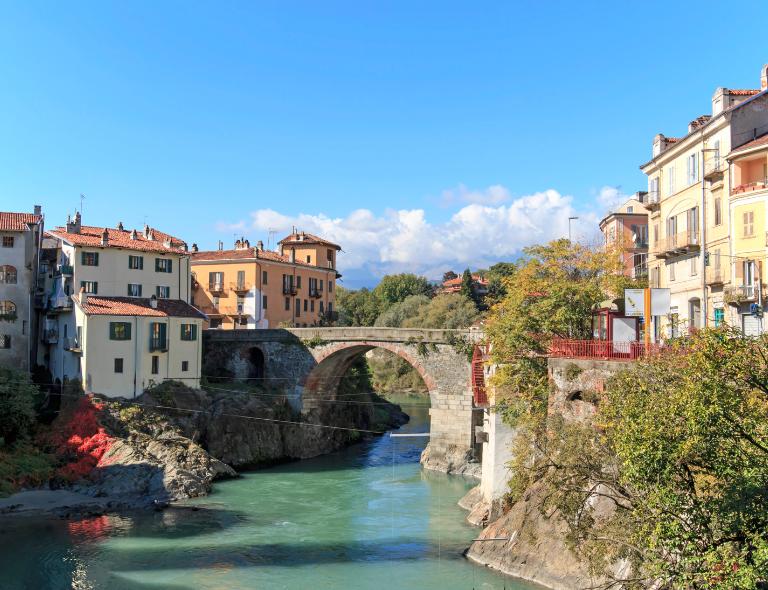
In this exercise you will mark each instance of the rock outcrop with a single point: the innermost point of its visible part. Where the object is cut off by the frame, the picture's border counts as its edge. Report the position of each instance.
(451, 459)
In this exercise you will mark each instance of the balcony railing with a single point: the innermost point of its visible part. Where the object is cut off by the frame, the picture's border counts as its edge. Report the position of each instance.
(233, 310)
(714, 166)
(479, 392)
(748, 187)
(240, 286)
(653, 200)
(66, 270)
(289, 289)
(601, 349)
(715, 276)
(63, 303)
(71, 344)
(216, 287)
(51, 336)
(158, 344)
(314, 292)
(742, 293)
(680, 243)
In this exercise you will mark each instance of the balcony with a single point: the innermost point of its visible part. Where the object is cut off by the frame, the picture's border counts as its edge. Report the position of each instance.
(240, 287)
(60, 304)
(72, 345)
(316, 293)
(748, 187)
(677, 245)
(715, 276)
(216, 287)
(653, 200)
(233, 310)
(40, 301)
(743, 294)
(601, 349)
(714, 166)
(65, 270)
(50, 336)
(289, 289)
(158, 344)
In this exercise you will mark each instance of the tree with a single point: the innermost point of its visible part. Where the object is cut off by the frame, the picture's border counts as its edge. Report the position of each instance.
(395, 288)
(357, 308)
(395, 316)
(449, 311)
(497, 275)
(467, 285)
(449, 276)
(17, 405)
(681, 452)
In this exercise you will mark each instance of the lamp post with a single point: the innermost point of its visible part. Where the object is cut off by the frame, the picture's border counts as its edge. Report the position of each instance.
(569, 227)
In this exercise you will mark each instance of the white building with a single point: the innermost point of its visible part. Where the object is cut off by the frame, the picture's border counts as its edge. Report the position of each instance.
(118, 304)
(20, 235)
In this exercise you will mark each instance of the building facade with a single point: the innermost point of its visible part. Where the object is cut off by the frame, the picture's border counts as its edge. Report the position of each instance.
(20, 235)
(117, 316)
(626, 230)
(250, 287)
(690, 227)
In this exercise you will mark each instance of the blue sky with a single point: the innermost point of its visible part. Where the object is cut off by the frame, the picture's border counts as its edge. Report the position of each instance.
(422, 136)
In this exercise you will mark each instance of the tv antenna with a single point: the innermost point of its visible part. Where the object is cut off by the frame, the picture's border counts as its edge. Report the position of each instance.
(272, 233)
(82, 198)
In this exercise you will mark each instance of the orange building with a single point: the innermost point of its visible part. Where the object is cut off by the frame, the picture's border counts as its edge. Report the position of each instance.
(627, 229)
(249, 287)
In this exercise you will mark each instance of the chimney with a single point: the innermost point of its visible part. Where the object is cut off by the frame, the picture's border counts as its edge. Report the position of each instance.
(153, 302)
(246, 244)
(194, 247)
(764, 77)
(293, 255)
(104, 237)
(83, 296)
(237, 244)
(120, 225)
(73, 227)
(38, 210)
(134, 235)
(259, 245)
(147, 231)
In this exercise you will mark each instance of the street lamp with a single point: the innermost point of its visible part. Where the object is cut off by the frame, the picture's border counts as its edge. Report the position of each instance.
(569, 227)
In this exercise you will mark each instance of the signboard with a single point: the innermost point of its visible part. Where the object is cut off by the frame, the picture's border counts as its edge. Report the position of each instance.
(634, 303)
(660, 301)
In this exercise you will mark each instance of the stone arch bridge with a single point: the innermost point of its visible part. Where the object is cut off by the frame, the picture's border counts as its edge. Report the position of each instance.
(308, 364)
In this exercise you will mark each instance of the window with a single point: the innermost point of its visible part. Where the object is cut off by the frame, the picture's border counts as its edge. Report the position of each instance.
(312, 306)
(91, 287)
(287, 304)
(309, 259)
(264, 277)
(155, 365)
(118, 365)
(184, 366)
(216, 300)
(321, 306)
(119, 331)
(306, 305)
(692, 167)
(329, 255)
(298, 307)
(264, 302)
(671, 266)
(630, 209)
(89, 258)
(655, 233)
(7, 308)
(718, 211)
(8, 274)
(241, 279)
(694, 265)
(157, 336)
(298, 282)
(671, 180)
(162, 292)
(136, 262)
(749, 223)
(719, 316)
(134, 290)
(163, 265)
(188, 332)
(653, 188)
(5, 341)
(215, 281)
(330, 308)
(215, 323)
(7, 241)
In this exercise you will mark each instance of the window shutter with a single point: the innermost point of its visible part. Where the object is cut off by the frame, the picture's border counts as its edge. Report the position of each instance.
(170, 265)
(739, 272)
(194, 331)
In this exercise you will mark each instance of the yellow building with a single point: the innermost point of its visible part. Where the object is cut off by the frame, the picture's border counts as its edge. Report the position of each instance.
(689, 213)
(248, 287)
(748, 211)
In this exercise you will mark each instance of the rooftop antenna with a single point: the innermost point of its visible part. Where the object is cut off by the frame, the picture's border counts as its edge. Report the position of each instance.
(82, 198)
(272, 233)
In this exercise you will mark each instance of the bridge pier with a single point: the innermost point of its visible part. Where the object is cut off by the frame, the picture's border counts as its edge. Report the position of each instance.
(307, 364)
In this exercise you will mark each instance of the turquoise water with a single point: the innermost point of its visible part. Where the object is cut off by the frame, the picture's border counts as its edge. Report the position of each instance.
(367, 517)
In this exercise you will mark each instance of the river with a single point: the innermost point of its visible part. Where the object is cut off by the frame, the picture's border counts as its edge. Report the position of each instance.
(367, 517)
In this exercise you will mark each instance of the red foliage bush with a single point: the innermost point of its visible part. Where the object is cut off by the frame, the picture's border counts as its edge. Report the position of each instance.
(80, 439)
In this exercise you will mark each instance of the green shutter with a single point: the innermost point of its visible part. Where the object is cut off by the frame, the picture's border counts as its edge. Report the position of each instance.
(194, 331)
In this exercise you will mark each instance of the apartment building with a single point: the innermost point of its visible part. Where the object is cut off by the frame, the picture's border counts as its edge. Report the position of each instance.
(20, 235)
(117, 316)
(250, 287)
(690, 225)
(626, 229)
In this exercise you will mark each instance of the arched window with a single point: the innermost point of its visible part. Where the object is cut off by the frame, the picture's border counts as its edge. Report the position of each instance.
(7, 310)
(8, 274)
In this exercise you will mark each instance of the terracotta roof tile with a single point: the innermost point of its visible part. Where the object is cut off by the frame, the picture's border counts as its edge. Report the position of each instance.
(138, 306)
(742, 91)
(243, 253)
(752, 144)
(17, 221)
(90, 236)
(307, 238)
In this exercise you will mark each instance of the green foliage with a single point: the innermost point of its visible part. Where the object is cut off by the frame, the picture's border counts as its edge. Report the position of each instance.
(357, 308)
(467, 287)
(390, 373)
(572, 371)
(18, 397)
(450, 311)
(313, 342)
(395, 288)
(399, 313)
(24, 466)
(497, 275)
(449, 276)
(681, 453)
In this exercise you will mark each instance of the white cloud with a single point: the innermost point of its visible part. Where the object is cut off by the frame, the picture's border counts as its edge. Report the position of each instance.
(477, 235)
(610, 197)
(493, 195)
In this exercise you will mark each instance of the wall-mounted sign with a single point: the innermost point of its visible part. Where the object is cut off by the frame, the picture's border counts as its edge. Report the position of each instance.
(634, 302)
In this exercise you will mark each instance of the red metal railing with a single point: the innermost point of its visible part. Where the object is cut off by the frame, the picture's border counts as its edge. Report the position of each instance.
(601, 349)
(478, 377)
